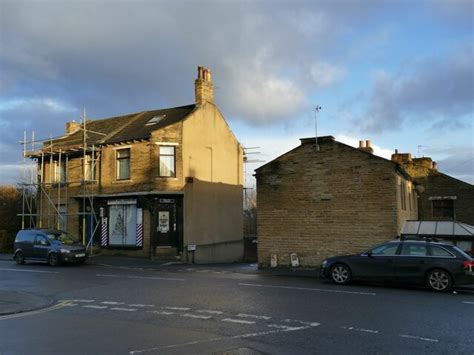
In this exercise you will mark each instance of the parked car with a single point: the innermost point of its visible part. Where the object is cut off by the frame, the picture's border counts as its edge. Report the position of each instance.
(439, 266)
(50, 245)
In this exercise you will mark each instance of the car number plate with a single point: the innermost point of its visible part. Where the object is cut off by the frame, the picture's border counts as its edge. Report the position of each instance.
(80, 255)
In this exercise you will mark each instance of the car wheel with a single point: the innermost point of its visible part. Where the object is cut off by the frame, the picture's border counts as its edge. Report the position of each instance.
(19, 258)
(439, 280)
(53, 259)
(341, 274)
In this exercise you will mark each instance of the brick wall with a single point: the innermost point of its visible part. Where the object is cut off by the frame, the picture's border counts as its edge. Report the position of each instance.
(320, 204)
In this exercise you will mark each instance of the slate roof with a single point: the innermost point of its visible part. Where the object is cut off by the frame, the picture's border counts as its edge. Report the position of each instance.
(123, 128)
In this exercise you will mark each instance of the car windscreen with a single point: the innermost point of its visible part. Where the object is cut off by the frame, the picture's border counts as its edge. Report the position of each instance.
(63, 237)
(462, 252)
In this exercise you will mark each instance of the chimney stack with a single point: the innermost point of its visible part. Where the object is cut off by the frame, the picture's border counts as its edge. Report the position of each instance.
(72, 127)
(366, 146)
(203, 87)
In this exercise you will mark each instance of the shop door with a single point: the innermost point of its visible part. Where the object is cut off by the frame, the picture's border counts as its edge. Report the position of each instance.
(165, 233)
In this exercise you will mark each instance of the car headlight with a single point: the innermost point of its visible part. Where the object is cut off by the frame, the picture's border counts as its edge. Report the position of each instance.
(65, 251)
(325, 262)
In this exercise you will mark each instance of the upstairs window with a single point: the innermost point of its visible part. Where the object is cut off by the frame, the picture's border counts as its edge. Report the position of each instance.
(123, 164)
(59, 172)
(167, 161)
(89, 168)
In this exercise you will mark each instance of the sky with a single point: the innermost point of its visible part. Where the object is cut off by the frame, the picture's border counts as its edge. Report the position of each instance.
(400, 73)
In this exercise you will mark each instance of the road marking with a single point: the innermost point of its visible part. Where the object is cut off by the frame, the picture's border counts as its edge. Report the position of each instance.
(196, 316)
(141, 277)
(28, 270)
(163, 313)
(32, 313)
(111, 302)
(70, 304)
(467, 302)
(94, 306)
(177, 308)
(243, 315)
(240, 321)
(141, 305)
(284, 327)
(208, 311)
(123, 309)
(310, 289)
(82, 301)
(241, 336)
(361, 330)
(419, 338)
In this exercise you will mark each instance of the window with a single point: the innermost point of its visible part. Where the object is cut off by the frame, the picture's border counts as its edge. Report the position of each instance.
(123, 225)
(443, 209)
(403, 195)
(41, 240)
(62, 217)
(123, 164)
(441, 252)
(89, 168)
(386, 249)
(414, 250)
(59, 172)
(167, 161)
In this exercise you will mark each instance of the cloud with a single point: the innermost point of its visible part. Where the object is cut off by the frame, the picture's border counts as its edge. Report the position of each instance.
(326, 74)
(439, 91)
(354, 142)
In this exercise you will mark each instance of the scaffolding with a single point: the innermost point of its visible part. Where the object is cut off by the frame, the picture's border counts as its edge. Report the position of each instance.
(46, 195)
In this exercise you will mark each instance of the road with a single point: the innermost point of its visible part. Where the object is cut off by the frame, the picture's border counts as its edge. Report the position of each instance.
(220, 310)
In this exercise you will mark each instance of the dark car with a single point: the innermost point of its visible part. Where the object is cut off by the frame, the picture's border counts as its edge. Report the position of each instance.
(439, 266)
(50, 245)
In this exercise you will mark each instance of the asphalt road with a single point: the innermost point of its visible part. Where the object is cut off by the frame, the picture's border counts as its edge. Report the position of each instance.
(219, 310)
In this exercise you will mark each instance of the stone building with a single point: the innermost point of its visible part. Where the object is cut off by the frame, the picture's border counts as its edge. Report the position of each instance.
(327, 199)
(442, 197)
(156, 183)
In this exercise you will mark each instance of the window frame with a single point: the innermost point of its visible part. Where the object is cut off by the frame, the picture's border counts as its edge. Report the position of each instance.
(173, 175)
(119, 160)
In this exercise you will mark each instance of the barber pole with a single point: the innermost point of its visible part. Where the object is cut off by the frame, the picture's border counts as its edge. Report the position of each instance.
(104, 233)
(139, 227)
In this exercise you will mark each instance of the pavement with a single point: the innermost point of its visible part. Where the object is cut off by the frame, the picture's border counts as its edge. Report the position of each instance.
(16, 302)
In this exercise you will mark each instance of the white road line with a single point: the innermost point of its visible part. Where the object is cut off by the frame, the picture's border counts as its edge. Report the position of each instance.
(123, 309)
(188, 315)
(28, 270)
(82, 301)
(208, 311)
(141, 277)
(243, 315)
(141, 305)
(419, 338)
(467, 302)
(112, 302)
(94, 306)
(241, 336)
(177, 308)
(361, 330)
(32, 313)
(70, 304)
(163, 313)
(240, 321)
(284, 327)
(310, 289)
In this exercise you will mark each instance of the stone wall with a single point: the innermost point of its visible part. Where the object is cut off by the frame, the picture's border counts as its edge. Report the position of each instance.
(337, 200)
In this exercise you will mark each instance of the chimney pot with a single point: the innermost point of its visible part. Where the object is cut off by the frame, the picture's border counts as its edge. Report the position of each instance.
(203, 87)
(396, 151)
(361, 144)
(368, 144)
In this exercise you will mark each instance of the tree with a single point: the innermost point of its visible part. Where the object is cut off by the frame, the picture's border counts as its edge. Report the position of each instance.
(10, 222)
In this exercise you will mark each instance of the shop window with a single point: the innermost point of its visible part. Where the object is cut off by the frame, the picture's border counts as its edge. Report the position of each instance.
(123, 164)
(123, 225)
(167, 161)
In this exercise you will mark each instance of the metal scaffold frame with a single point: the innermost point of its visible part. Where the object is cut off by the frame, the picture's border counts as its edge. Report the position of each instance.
(39, 210)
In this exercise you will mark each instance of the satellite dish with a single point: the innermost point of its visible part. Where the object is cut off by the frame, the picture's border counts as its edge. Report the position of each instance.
(420, 189)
